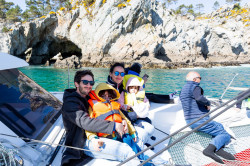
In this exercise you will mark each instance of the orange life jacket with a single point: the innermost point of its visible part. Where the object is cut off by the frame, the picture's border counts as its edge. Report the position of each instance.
(104, 110)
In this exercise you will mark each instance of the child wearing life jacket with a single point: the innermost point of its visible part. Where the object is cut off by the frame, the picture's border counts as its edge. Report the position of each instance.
(135, 69)
(135, 104)
(103, 106)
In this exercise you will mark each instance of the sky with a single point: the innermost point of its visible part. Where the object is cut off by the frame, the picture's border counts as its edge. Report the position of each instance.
(208, 4)
(21, 3)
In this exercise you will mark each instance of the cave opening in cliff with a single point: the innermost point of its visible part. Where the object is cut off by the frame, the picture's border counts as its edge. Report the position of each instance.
(65, 48)
(44, 51)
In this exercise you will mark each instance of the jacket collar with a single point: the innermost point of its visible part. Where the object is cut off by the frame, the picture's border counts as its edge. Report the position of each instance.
(72, 93)
(192, 82)
(111, 82)
(119, 87)
(133, 72)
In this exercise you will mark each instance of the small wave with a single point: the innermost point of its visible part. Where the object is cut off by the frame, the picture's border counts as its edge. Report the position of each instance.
(193, 68)
(245, 65)
(221, 67)
(38, 66)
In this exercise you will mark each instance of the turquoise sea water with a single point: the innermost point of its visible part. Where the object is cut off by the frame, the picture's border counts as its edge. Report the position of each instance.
(161, 81)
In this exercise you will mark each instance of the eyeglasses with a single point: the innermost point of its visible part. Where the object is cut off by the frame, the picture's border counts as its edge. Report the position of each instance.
(198, 77)
(85, 82)
(121, 73)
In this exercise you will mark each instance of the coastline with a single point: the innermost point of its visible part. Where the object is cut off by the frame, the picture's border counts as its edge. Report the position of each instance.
(168, 65)
(141, 32)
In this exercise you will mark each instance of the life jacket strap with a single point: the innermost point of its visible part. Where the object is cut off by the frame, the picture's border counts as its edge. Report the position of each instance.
(140, 98)
(107, 101)
(104, 116)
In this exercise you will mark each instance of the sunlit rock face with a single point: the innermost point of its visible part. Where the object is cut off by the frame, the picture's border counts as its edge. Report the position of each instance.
(127, 31)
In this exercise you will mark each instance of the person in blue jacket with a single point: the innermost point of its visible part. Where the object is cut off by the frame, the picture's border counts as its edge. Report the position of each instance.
(196, 105)
(135, 69)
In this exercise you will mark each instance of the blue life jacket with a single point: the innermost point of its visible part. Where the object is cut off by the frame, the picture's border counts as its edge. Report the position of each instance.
(192, 109)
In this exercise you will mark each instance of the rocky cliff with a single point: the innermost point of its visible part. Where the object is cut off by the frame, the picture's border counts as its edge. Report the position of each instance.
(129, 31)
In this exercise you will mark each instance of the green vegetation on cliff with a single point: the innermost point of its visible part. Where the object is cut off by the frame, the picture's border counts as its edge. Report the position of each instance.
(40, 8)
(35, 9)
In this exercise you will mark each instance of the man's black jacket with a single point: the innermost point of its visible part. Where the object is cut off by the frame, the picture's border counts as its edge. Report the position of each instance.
(76, 120)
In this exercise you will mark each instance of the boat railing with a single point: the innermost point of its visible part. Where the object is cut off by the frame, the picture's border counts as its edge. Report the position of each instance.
(235, 100)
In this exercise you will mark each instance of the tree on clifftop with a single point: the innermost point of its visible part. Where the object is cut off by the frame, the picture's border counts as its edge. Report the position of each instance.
(48, 7)
(35, 9)
(199, 6)
(216, 5)
(229, 1)
(44, 6)
(14, 14)
(170, 2)
(4, 7)
(183, 9)
(40, 8)
(179, 10)
(190, 9)
(32, 10)
(232, 1)
(60, 3)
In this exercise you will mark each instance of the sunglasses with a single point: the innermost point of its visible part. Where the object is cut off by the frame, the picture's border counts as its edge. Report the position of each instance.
(85, 82)
(198, 77)
(121, 73)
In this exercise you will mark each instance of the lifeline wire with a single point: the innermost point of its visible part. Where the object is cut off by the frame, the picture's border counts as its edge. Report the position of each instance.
(48, 143)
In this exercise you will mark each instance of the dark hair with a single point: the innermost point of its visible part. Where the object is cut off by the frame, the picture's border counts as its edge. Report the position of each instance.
(137, 87)
(82, 73)
(112, 93)
(136, 67)
(115, 65)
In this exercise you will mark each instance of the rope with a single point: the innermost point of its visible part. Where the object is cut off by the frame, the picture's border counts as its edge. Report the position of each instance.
(7, 156)
(228, 86)
(176, 132)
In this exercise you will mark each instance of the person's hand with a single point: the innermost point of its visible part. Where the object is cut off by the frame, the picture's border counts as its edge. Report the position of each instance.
(97, 143)
(208, 107)
(128, 107)
(135, 139)
(236, 109)
(125, 126)
(145, 79)
(119, 128)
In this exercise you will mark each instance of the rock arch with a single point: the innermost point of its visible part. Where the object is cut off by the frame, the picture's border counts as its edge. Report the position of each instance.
(44, 50)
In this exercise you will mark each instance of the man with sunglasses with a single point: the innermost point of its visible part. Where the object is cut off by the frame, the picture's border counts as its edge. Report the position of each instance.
(195, 105)
(76, 119)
